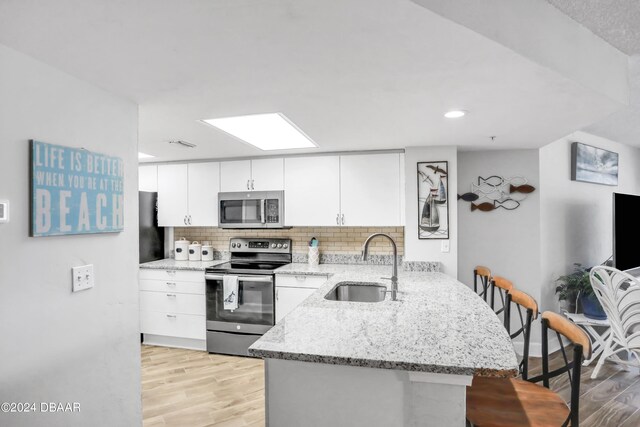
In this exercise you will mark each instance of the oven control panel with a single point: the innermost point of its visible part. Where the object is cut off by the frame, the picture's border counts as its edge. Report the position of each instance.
(271, 245)
(258, 244)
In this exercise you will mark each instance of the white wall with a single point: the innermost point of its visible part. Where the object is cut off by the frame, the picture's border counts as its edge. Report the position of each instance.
(576, 217)
(430, 250)
(56, 346)
(505, 241)
(508, 242)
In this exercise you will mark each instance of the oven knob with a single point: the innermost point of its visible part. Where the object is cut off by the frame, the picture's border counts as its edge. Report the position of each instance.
(279, 245)
(273, 245)
(285, 246)
(233, 245)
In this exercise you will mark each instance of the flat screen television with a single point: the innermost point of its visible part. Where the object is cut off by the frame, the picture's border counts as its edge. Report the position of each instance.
(626, 231)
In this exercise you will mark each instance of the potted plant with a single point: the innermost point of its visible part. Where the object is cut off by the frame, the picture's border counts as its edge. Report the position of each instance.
(577, 285)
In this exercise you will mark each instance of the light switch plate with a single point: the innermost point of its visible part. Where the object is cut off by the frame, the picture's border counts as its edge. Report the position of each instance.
(4, 211)
(444, 246)
(82, 277)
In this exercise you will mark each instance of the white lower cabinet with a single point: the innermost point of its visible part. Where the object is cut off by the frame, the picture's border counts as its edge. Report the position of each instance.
(173, 325)
(173, 308)
(292, 290)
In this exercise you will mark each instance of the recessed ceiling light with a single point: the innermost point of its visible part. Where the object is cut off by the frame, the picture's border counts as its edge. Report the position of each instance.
(271, 131)
(454, 114)
(144, 156)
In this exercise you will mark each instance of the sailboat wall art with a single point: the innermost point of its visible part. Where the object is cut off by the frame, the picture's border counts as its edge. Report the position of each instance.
(433, 200)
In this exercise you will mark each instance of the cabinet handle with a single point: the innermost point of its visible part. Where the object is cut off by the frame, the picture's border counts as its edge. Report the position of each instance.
(276, 294)
(252, 184)
(301, 277)
(185, 220)
(171, 283)
(189, 219)
(171, 316)
(338, 219)
(171, 295)
(248, 186)
(342, 219)
(171, 272)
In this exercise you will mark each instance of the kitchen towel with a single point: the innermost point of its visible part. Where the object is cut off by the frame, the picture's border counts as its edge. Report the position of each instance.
(230, 291)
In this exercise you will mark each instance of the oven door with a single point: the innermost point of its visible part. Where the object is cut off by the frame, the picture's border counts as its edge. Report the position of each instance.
(255, 312)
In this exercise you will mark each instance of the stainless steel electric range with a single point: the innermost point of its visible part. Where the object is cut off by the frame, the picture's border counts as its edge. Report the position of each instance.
(253, 261)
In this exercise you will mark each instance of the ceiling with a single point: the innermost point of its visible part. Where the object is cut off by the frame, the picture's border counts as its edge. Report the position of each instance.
(615, 21)
(618, 23)
(352, 74)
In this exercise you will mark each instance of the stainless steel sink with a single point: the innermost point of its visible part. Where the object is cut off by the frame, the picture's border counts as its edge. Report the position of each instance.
(357, 292)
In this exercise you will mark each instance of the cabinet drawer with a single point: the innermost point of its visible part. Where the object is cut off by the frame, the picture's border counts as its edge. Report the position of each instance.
(172, 302)
(301, 280)
(173, 324)
(172, 275)
(172, 286)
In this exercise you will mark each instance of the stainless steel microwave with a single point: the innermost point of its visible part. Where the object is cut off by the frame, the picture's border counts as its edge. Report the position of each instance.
(251, 209)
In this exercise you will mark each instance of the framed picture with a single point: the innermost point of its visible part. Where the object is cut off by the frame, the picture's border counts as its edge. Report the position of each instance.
(74, 191)
(433, 200)
(592, 164)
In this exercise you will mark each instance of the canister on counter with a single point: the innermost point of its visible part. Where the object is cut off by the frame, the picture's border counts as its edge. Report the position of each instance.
(195, 251)
(207, 252)
(181, 249)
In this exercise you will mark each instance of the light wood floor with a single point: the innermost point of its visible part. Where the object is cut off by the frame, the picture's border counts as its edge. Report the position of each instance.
(196, 389)
(186, 388)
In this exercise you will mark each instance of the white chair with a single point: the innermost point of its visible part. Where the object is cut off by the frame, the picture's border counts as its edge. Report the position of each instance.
(619, 294)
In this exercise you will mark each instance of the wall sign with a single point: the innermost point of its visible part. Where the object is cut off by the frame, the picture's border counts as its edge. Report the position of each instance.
(75, 191)
(433, 200)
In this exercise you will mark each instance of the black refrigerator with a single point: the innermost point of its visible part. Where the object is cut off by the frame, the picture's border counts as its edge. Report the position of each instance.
(151, 236)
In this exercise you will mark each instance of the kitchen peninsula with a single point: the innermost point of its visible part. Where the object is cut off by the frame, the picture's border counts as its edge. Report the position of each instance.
(391, 363)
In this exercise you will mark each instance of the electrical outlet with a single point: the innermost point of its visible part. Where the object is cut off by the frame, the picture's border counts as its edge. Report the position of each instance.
(82, 277)
(444, 246)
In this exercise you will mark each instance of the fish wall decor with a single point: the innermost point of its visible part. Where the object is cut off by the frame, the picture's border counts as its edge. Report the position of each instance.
(497, 192)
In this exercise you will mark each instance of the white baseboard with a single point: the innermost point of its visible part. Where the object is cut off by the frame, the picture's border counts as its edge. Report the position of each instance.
(164, 341)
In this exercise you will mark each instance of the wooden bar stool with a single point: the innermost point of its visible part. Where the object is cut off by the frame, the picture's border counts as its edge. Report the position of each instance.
(514, 402)
(504, 286)
(521, 301)
(481, 276)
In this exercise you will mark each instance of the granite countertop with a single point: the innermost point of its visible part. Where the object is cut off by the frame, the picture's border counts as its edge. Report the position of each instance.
(172, 264)
(329, 269)
(437, 325)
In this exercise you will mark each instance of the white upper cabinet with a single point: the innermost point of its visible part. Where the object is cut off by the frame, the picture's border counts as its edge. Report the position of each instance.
(235, 176)
(172, 195)
(349, 190)
(257, 174)
(188, 194)
(148, 178)
(312, 191)
(267, 174)
(204, 184)
(370, 190)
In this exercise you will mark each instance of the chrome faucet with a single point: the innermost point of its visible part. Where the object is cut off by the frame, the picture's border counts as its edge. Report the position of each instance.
(394, 274)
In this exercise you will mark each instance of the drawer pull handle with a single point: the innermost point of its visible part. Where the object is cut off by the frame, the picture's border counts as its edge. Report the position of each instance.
(171, 272)
(171, 316)
(171, 295)
(301, 277)
(171, 283)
